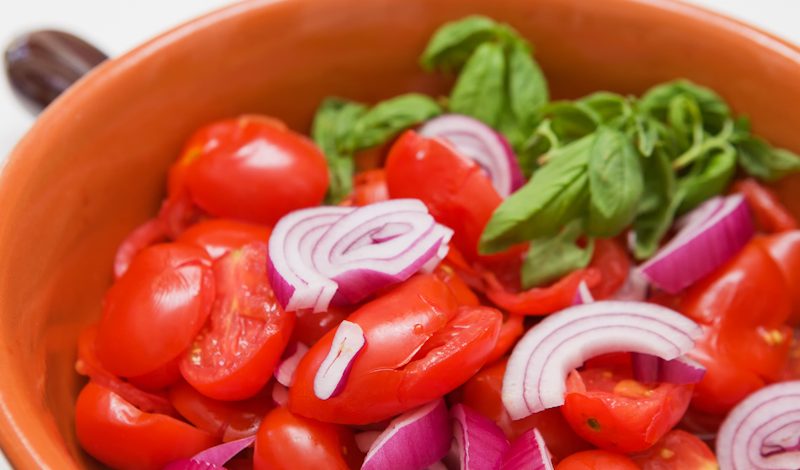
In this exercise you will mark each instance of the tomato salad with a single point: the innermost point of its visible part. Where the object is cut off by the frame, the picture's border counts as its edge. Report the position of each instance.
(491, 279)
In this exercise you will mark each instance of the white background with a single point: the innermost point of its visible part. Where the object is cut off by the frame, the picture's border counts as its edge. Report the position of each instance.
(118, 25)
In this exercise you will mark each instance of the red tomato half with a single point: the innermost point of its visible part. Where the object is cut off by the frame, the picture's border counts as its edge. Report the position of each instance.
(608, 408)
(597, 460)
(785, 250)
(116, 433)
(510, 332)
(455, 189)
(235, 354)
(220, 236)
(152, 313)
(369, 187)
(678, 450)
(291, 442)
(141, 237)
(770, 214)
(419, 346)
(250, 168)
(483, 393)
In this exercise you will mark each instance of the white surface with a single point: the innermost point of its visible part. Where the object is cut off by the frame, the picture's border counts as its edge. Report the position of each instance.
(118, 25)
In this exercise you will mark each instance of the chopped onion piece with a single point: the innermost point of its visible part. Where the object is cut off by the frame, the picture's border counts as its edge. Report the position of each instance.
(480, 443)
(583, 295)
(413, 440)
(476, 141)
(332, 373)
(213, 458)
(538, 367)
(652, 369)
(635, 288)
(341, 255)
(364, 440)
(280, 394)
(528, 452)
(763, 431)
(708, 237)
(284, 372)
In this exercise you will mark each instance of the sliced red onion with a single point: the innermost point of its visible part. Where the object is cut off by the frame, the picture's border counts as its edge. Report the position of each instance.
(413, 440)
(528, 452)
(280, 394)
(652, 369)
(583, 295)
(708, 237)
(364, 440)
(480, 443)
(437, 466)
(332, 373)
(284, 371)
(475, 140)
(213, 458)
(338, 255)
(538, 367)
(763, 431)
(635, 288)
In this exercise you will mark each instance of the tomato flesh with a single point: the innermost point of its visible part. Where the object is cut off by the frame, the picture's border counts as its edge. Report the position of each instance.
(678, 450)
(221, 236)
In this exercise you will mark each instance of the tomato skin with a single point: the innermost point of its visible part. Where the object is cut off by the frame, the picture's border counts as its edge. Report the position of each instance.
(250, 168)
(161, 378)
(149, 233)
(234, 356)
(597, 460)
(678, 450)
(225, 420)
(612, 411)
(119, 435)
(771, 216)
(419, 346)
(483, 393)
(540, 300)
(455, 189)
(369, 187)
(458, 287)
(152, 312)
(288, 441)
(311, 326)
(784, 248)
(510, 332)
(613, 263)
(221, 236)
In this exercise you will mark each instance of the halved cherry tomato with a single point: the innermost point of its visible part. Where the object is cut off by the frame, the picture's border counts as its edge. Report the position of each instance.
(608, 408)
(220, 236)
(121, 436)
(460, 289)
(540, 300)
(235, 354)
(785, 250)
(510, 332)
(292, 442)
(161, 378)
(149, 233)
(483, 393)
(311, 326)
(152, 313)
(227, 420)
(678, 450)
(455, 189)
(250, 168)
(368, 187)
(770, 214)
(597, 460)
(419, 346)
(89, 365)
(613, 263)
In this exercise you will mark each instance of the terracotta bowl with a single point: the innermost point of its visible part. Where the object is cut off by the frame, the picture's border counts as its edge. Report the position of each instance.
(94, 164)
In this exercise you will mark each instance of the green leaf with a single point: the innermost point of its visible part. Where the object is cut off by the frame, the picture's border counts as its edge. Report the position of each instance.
(454, 42)
(479, 91)
(549, 259)
(332, 128)
(707, 178)
(527, 87)
(571, 120)
(713, 109)
(615, 183)
(657, 206)
(607, 106)
(388, 118)
(555, 195)
(646, 134)
(765, 162)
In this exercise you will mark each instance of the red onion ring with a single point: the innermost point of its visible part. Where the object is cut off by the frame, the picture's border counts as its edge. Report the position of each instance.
(284, 371)
(480, 443)
(652, 369)
(332, 374)
(213, 458)
(527, 452)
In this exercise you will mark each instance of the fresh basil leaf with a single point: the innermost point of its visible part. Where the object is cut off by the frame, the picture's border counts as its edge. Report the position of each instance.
(707, 178)
(646, 134)
(454, 42)
(713, 109)
(607, 106)
(571, 120)
(761, 160)
(549, 259)
(332, 130)
(615, 183)
(388, 118)
(527, 87)
(479, 91)
(657, 206)
(555, 195)
(542, 141)
(685, 119)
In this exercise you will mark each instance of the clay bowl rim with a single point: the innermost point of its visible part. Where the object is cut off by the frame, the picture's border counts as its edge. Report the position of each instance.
(19, 449)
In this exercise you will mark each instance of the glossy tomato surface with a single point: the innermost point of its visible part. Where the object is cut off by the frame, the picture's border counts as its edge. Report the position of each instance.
(420, 344)
(678, 450)
(233, 357)
(250, 168)
(785, 250)
(597, 460)
(119, 435)
(221, 236)
(152, 313)
(771, 216)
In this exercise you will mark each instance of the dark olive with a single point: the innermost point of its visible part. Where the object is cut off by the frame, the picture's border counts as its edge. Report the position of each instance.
(42, 64)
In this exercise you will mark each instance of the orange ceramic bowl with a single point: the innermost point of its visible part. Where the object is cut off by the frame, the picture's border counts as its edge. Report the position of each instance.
(94, 164)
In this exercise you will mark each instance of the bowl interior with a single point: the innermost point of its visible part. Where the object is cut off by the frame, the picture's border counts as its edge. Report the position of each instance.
(94, 165)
